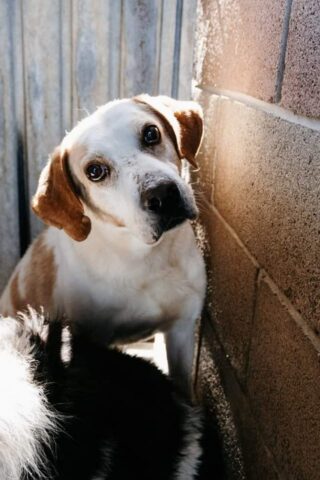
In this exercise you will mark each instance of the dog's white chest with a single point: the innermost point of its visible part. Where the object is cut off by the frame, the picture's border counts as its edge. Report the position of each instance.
(132, 296)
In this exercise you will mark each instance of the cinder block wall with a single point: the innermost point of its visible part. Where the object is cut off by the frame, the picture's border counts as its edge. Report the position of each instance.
(258, 74)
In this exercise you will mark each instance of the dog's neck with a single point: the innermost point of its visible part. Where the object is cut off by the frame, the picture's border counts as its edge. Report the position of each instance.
(107, 240)
(117, 238)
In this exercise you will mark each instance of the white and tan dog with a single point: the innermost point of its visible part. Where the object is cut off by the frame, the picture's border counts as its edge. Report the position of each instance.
(124, 248)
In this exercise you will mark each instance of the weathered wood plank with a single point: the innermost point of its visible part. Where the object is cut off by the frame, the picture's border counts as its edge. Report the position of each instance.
(96, 41)
(47, 83)
(187, 49)
(115, 19)
(140, 49)
(10, 41)
(167, 47)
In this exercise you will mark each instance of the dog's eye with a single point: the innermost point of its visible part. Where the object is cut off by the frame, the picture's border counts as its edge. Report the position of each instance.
(96, 172)
(151, 135)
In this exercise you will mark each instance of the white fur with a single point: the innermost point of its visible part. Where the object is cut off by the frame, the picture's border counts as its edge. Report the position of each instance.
(25, 417)
(191, 452)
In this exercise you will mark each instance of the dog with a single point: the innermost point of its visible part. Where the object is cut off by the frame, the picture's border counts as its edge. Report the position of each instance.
(120, 240)
(73, 409)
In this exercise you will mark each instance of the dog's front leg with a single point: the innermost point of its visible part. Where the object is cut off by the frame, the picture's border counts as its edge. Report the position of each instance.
(180, 342)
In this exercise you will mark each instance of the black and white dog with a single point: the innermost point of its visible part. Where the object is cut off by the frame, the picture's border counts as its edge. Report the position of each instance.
(71, 409)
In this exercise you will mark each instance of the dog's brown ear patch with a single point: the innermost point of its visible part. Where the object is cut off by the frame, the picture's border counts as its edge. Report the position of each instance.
(55, 201)
(191, 127)
(185, 120)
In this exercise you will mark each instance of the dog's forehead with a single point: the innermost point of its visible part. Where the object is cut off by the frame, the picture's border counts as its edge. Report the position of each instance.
(125, 112)
(117, 121)
(130, 107)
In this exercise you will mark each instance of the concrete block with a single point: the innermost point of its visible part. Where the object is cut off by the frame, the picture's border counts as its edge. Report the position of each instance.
(206, 155)
(267, 188)
(232, 293)
(219, 390)
(211, 393)
(301, 85)
(238, 45)
(284, 387)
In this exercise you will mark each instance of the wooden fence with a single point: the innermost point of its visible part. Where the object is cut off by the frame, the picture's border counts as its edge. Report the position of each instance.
(59, 60)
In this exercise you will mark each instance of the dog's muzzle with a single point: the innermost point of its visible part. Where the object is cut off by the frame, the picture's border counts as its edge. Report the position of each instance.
(166, 204)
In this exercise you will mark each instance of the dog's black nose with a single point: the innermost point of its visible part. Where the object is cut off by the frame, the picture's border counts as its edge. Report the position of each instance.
(165, 201)
(163, 198)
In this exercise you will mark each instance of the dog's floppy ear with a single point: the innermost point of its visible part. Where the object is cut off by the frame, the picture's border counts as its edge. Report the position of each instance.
(56, 202)
(185, 122)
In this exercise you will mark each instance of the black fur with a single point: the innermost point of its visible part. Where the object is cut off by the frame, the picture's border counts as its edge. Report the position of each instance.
(121, 418)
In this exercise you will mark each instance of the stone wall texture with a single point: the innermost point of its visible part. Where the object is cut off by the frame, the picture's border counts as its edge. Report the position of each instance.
(257, 69)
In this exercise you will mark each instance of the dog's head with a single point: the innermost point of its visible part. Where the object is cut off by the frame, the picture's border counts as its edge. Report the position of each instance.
(121, 165)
